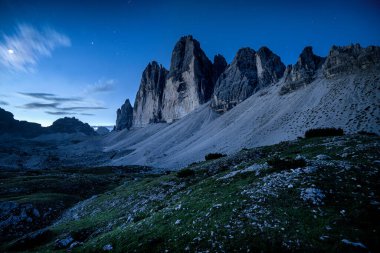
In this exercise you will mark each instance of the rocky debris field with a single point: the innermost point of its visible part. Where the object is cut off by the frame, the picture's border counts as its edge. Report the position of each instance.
(308, 195)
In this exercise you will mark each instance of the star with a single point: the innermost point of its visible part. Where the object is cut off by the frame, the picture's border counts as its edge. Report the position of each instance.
(11, 51)
(92, 43)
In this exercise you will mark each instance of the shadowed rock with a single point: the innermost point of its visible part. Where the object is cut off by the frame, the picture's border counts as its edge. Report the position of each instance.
(124, 116)
(249, 72)
(71, 125)
(218, 67)
(147, 108)
(303, 72)
(350, 59)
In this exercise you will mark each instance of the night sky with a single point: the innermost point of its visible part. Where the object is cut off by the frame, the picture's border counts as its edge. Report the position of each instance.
(62, 58)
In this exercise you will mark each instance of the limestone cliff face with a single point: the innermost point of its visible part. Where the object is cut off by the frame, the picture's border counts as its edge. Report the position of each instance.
(148, 102)
(303, 72)
(249, 72)
(124, 116)
(349, 59)
(189, 82)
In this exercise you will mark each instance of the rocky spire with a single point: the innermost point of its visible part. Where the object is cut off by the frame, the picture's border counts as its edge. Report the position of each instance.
(190, 80)
(147, 108)
(303, 72)
(249, 72)
(124, 116)
(305, 68)
(269, 67)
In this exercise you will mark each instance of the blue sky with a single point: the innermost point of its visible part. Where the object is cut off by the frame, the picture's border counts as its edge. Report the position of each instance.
(84, 58)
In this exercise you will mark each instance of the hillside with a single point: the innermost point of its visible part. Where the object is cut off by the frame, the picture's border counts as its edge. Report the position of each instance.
(346, 101)
(308, 195)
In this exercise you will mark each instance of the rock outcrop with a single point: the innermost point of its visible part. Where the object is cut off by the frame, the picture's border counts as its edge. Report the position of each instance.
(190, 80)
(249, 72)
(303, 72)
(148, 102)
(71, 125)
(124, 116)
(349, 59)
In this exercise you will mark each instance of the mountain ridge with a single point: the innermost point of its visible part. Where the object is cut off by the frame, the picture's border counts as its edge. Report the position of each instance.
(185, 86)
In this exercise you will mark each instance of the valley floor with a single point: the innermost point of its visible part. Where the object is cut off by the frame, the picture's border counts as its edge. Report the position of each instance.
(308, 195)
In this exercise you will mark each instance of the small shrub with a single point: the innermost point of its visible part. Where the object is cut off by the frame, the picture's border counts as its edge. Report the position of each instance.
(185, 173)
(288, 163)
(213, 156)
(323, 132)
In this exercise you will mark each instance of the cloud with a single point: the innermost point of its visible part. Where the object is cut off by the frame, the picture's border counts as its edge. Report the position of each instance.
(61, 105)
(81, 108)
(22, 50)
(3, 103)
(36, 105)
(59, 113)
(50, 97)
(101, 86)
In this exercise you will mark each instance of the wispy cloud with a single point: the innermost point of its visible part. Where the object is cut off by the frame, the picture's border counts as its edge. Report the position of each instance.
(68, 113)
(22, 50)
(55, 105)
(36, 105)
(3, 103)
(50, 97)
(82, 108)
(59, 113)
(102, 85)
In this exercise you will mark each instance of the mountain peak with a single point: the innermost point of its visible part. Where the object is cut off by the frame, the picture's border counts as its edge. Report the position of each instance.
(303, 72)
(147, 108)
(189, 82)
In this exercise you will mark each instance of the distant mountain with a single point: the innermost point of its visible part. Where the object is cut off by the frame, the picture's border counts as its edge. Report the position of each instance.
(71, 125)
(8, 125)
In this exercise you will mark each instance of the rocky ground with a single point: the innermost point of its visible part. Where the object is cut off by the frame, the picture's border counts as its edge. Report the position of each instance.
(308, 195)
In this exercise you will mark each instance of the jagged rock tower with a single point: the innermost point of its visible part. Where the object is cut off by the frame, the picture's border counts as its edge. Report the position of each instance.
(249, 72)
(124, 116)
(189, 82)
(148, 102)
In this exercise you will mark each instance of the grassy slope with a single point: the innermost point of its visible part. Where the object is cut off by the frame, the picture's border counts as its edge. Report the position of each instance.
(226, 207)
